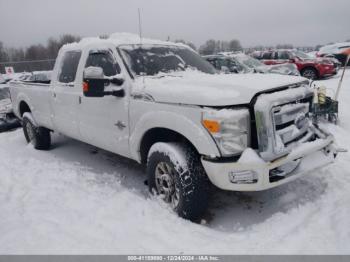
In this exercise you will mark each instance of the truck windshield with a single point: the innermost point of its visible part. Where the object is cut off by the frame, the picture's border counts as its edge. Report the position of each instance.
(301, 55)
(154, 59)
(248, 61)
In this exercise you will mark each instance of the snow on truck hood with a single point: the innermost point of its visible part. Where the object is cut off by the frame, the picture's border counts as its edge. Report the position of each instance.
(196, 88)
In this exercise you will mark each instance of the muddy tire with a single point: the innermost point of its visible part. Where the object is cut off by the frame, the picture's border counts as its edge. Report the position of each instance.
(39, 136)
(175, 172)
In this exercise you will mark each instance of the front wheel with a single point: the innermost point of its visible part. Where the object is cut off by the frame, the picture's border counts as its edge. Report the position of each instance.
(175, 172)
(39, 136)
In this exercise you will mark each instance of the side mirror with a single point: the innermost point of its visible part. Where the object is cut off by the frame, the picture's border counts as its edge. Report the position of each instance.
(94, 72)
(95, 82)
(292, 60)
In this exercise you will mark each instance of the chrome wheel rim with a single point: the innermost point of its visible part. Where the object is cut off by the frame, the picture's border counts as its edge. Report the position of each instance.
(166, 185)
(309, 74)
(30, 131)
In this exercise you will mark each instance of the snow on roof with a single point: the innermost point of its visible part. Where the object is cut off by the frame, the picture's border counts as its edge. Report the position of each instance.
(118, 39)
(334, 48)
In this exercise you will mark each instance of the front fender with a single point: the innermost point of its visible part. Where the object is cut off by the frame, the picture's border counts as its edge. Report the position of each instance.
(192, 130)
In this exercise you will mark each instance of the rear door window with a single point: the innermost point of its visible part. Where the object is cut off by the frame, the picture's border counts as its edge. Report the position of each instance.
(283, 55)
(267, 55)
(69, 66)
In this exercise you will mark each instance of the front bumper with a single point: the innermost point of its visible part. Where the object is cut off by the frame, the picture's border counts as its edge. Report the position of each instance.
(310, 156)
(327, 70)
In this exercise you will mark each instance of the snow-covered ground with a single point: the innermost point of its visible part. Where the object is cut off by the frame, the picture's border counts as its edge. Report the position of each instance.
(77, 199)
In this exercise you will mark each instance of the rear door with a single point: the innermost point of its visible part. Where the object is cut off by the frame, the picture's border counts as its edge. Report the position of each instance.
(267, 58)
(66, 95)
(283, 57)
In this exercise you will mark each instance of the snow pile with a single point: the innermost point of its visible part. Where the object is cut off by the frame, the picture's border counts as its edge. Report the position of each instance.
(336, 48)
(249, 156)
(174, 151)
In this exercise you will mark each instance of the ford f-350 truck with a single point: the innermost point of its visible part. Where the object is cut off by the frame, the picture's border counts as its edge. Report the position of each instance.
(162, 105)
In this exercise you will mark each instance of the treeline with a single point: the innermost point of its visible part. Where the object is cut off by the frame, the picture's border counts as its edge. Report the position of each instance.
(34, 57)
(42, 57)
(212, 46)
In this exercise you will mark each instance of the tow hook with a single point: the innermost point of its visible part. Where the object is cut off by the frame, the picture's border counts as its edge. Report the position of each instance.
(335, 150)
(339, 150)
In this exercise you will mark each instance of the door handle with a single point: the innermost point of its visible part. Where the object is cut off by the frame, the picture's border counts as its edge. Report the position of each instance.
(79, 99)
(120, 125)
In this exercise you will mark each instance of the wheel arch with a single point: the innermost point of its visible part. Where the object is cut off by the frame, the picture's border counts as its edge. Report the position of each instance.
(310, 67)
(160, 134)
(169, 127)
(23, 107)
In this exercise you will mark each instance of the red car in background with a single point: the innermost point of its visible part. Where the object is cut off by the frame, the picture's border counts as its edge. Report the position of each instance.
(312, 68)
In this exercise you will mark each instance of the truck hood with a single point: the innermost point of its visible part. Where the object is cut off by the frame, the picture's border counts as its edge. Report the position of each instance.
(195, 88)
(5, 106)
(318, 60)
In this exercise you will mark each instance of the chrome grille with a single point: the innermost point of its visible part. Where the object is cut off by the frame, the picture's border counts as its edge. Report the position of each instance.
(282, 121)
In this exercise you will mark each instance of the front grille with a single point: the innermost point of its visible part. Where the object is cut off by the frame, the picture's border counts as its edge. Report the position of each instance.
(290, 122)
(282, 121)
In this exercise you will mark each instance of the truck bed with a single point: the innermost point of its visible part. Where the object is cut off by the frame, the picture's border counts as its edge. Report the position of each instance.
(35, 94)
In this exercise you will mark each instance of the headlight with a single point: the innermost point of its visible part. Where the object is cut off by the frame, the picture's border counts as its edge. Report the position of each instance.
(230, 128)
(329, 63)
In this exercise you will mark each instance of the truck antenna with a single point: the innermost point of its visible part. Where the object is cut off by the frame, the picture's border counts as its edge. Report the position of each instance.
(140, 33)
(140, 28)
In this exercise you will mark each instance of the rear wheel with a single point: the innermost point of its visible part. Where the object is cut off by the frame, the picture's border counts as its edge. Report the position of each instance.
(39, 136)
(176, 174)
(310, 73)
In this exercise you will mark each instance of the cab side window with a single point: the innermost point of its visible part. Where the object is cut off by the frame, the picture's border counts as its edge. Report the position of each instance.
(283, 55)
(105, 61)
(69, 66)
(267, 56)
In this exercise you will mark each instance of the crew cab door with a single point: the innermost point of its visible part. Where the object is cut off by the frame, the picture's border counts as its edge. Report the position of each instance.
(65, 94)
(283, 57)
(268, 58)
(103, 121)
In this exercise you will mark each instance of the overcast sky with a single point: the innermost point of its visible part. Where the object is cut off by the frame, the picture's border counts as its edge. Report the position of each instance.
(300, 22)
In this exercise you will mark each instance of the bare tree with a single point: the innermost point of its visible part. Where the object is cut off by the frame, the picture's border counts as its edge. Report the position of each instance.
(53, 46)
(27, 59)
(208, 48)
(36, 52)
(284, 46)
(234, 45)
(67, 38)
(3, 54)
(190, 44)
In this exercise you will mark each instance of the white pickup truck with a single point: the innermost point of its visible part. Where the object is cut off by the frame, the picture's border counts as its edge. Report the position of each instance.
(162, 105)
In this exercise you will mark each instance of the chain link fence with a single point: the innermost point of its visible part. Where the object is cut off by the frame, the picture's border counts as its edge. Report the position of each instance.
(28, 66)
